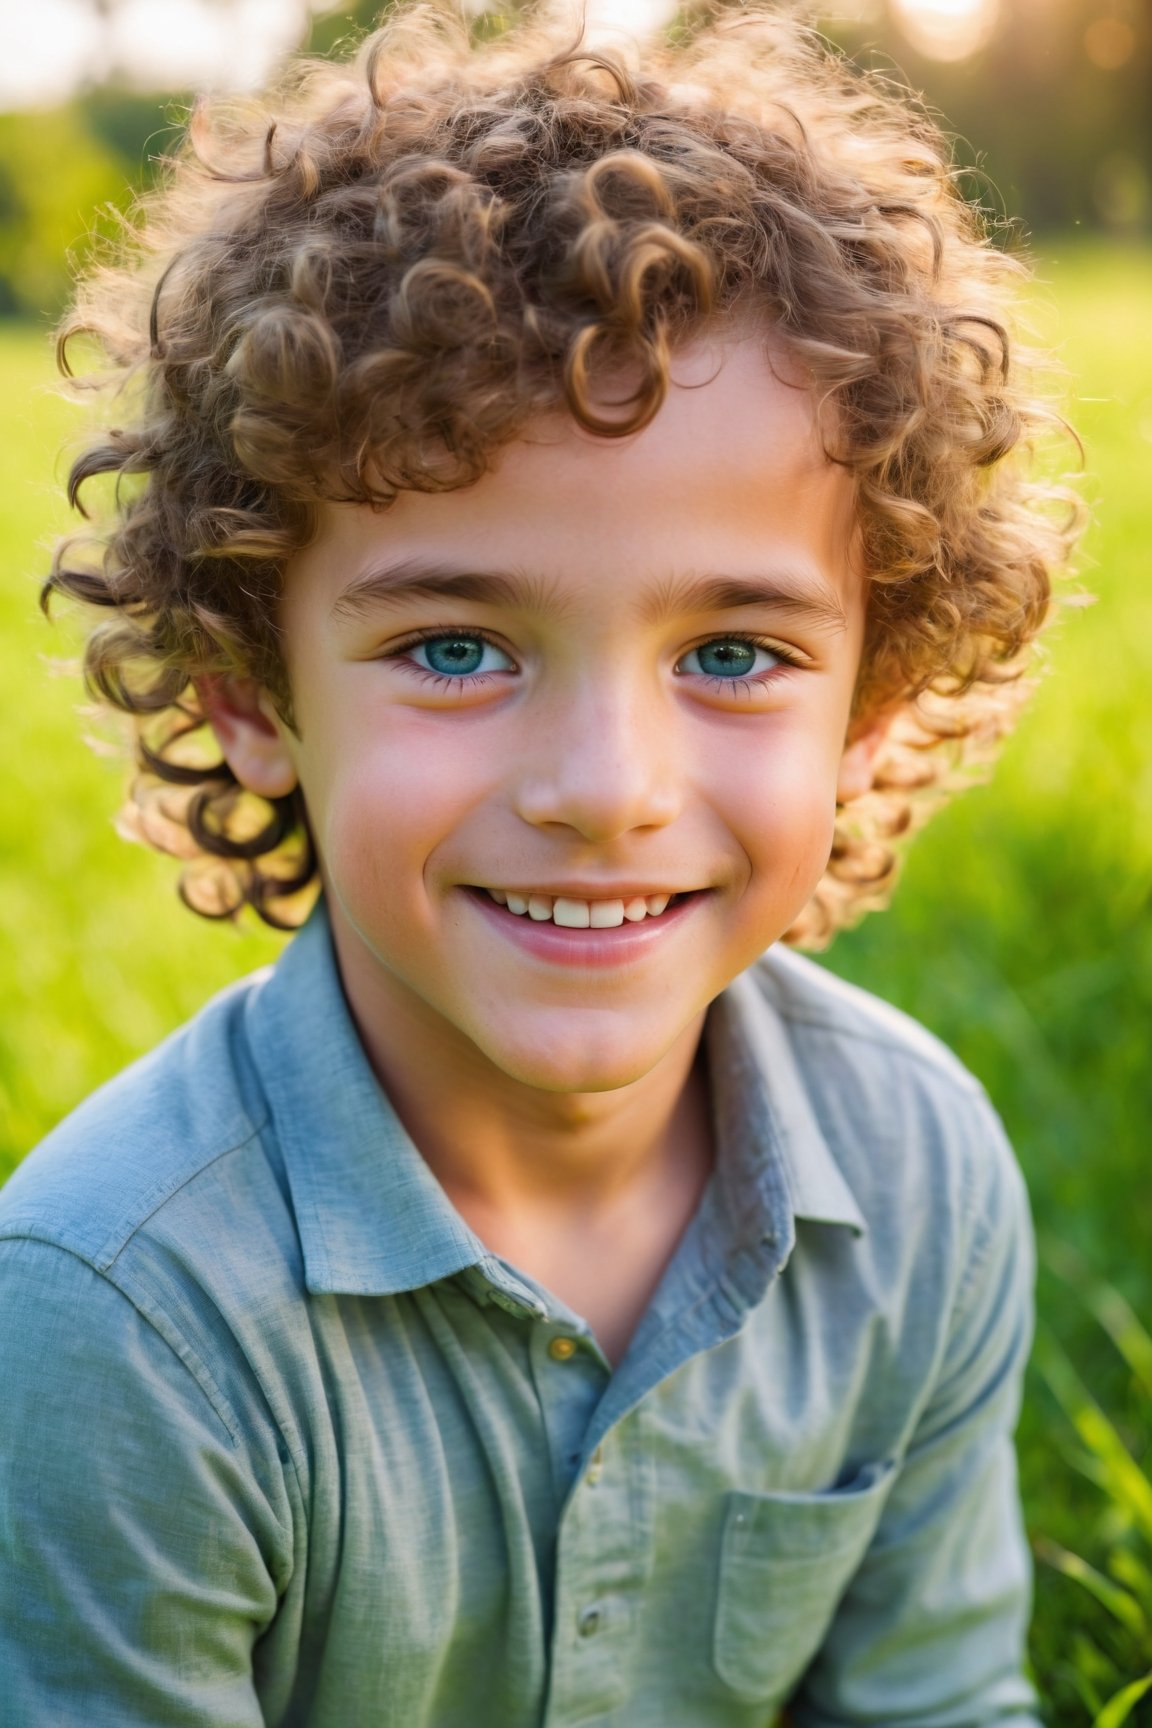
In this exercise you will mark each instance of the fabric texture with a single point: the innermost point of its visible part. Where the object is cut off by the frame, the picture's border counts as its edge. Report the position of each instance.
(282, 1443)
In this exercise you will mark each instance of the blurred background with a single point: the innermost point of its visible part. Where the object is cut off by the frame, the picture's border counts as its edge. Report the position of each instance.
(1053, 98)
(1021, 931)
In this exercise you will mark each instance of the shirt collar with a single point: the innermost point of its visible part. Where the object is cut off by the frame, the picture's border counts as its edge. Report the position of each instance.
(764, 1114)
(372, 1218)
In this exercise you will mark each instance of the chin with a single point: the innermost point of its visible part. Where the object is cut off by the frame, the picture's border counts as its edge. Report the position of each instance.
(567, 1059)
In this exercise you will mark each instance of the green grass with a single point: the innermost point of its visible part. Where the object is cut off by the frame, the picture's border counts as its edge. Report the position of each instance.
(99, 958)
(1021, 933)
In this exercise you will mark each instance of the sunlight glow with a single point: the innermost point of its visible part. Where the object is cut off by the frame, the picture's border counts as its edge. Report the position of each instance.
(612, 23)
(47, 50)
(184, 43)
(51, 48)
(947, 29)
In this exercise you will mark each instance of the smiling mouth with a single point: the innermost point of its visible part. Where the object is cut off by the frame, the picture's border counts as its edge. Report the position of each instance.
(576, 914)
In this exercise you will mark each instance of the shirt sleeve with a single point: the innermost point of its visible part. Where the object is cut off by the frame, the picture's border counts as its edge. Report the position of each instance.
(133, 1578)
(933, 1628)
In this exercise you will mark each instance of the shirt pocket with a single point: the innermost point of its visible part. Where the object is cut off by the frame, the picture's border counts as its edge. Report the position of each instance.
(785, 1562)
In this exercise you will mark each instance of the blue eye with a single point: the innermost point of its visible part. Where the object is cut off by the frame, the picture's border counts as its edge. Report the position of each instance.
(459, 654)
(730, 657)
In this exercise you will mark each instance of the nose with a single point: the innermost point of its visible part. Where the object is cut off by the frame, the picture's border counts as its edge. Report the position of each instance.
(601, 762)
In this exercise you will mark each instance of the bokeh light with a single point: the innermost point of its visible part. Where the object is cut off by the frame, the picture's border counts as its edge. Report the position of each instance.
(947, 29)
(1109, 43)
(608, 21)
(185, 42)
(48, 49)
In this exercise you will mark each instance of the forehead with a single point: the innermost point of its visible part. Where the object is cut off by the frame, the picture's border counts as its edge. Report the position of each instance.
(729, 476)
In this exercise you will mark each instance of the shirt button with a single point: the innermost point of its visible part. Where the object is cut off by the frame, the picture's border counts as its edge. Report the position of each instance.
(589, 1622)
(562, 1349)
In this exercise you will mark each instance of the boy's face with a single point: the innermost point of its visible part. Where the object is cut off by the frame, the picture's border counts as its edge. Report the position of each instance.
(611, 669)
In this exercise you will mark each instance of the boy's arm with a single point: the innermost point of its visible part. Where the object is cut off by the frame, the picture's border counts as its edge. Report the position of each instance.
(133, 1540)
(933, 1628)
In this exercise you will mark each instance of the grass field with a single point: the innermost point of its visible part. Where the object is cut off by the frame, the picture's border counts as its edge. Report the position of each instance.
(1021, 934)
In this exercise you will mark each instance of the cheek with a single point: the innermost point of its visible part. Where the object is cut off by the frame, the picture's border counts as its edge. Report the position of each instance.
(776, 781)
(384, 811)
(779, 801)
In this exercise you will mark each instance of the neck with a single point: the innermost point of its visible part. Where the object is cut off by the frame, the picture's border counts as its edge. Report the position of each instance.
(589, 1192)
(499, 1146)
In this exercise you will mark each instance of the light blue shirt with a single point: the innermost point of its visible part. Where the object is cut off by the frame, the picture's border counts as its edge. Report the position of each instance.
(281, 1442)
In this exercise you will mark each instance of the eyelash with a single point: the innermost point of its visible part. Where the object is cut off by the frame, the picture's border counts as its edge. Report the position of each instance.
(789, 660)
(445, 680)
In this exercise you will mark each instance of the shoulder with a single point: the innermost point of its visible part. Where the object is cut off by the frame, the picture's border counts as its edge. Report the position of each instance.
(821, 1008)
(913, 1131)
(142, 1139)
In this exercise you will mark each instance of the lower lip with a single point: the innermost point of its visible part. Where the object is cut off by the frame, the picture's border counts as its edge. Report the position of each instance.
(619, 946)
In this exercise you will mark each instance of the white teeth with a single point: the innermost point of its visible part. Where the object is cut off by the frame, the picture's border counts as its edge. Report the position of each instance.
(572, 914)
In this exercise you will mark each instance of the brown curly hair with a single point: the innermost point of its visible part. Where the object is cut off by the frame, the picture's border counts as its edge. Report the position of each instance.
(374, 278)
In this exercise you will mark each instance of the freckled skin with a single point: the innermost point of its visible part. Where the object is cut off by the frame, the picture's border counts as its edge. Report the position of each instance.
(594, 755)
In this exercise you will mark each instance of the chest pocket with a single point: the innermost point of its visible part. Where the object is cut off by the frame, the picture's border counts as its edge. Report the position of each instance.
(785, 1562)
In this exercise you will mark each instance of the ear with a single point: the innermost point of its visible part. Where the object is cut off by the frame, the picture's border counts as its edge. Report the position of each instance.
(249, 732)
(858, 763)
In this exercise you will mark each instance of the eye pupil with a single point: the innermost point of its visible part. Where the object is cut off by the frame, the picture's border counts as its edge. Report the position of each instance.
(727, 659)
(454, 654)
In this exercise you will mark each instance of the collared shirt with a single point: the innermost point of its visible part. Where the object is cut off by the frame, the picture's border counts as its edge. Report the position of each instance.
(282, 1442)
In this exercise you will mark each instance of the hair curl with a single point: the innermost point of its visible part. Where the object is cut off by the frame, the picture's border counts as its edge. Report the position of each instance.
(375, 278)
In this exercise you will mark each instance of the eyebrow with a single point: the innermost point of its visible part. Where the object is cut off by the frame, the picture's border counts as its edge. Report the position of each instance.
(800, 598)
(421, 579)
(797, 597)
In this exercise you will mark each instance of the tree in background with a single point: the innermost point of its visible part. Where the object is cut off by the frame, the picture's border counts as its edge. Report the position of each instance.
(1058, 101)
(56, 181)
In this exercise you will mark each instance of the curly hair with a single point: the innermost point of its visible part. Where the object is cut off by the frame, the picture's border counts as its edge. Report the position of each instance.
(375, 277)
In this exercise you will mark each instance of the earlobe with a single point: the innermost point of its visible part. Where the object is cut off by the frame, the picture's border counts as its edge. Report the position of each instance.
(858, 763)
(250, 736)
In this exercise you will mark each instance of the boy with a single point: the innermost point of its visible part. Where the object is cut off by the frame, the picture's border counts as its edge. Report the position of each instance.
(575, 501)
